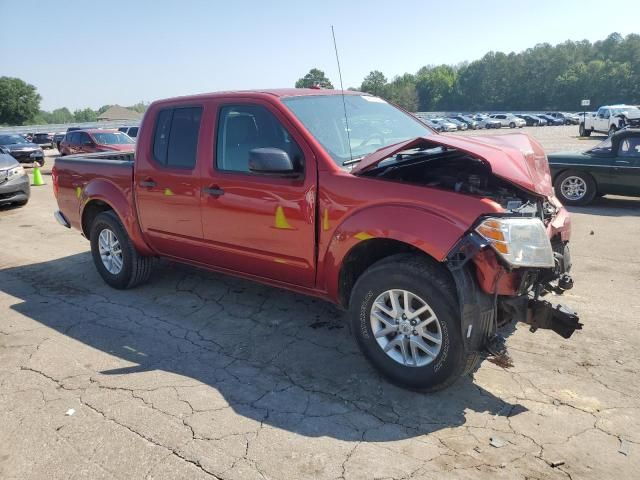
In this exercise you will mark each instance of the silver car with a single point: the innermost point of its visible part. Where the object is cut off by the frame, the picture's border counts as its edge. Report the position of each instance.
(508, 120)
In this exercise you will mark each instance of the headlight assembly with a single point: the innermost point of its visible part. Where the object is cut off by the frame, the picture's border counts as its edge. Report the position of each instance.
(522, 242)
(15, 172)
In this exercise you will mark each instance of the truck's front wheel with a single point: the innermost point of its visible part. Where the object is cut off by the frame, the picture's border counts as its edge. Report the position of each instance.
(404, 316)
(115, 257)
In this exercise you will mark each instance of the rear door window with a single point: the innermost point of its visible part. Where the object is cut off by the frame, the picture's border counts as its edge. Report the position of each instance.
(175, 141)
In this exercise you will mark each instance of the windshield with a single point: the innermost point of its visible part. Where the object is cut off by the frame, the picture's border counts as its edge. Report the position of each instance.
(618, 111)
(603, 147)
(112, 138)
(373, 123)
(11, 139)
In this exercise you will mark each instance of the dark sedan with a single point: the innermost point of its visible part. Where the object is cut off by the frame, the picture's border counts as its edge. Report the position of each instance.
(551, 120)
(14, 181)
(22, 150)
(611, 167)
(531, 120)
(45, 140)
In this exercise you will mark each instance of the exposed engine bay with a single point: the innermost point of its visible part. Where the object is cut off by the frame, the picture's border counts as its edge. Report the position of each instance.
(457, 171)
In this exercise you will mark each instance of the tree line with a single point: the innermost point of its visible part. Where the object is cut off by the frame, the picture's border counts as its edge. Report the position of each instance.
(544, 77)
(20, 105)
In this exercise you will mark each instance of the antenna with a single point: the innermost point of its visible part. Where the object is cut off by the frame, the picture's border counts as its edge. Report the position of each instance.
(344, 103)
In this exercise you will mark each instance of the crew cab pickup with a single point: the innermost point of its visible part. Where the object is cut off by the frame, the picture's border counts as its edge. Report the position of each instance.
(609, 119)
(431, 242)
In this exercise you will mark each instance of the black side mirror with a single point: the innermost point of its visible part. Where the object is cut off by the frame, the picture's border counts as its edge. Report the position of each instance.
(271, 161)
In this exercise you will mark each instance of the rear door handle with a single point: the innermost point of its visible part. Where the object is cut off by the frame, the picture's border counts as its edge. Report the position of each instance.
(148, 183)
(213, 191)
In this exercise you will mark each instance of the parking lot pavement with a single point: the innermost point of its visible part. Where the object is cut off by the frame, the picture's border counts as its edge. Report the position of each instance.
(199, 375)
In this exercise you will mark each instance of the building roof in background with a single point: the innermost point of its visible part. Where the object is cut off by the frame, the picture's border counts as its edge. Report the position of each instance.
(119, 113)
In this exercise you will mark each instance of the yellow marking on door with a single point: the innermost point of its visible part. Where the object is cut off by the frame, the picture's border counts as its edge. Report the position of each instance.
(168, 192)
(325, 219)
(363, 236)
(281, 219)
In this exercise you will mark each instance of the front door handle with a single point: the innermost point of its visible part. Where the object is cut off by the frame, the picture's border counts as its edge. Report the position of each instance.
(213, 191)
(148, 183)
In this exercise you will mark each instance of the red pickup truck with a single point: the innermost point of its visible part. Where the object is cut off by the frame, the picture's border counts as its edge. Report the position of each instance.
(432, 242)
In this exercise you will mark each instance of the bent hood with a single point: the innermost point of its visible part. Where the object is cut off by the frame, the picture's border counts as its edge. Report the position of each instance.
(515, 157)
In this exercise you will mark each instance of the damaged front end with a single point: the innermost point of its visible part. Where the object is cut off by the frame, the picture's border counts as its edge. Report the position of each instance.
(493, 292)
(510, 261)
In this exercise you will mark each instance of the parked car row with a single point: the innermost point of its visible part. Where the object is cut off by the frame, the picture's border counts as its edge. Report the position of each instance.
(54, 139)
(497, 120)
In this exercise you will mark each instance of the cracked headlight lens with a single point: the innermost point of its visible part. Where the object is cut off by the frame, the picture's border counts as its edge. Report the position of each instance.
(522, 242)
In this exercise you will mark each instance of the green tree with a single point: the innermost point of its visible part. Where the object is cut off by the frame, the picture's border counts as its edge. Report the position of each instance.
(86, 115)
(19, 101)
(402, 92)
(315, 77)
(61, 115)
(375, 83)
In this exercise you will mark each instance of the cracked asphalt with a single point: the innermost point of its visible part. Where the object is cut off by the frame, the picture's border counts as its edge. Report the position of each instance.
(199, 375)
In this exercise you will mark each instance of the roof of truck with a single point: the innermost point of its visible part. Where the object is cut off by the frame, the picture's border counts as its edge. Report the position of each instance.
(275, 92)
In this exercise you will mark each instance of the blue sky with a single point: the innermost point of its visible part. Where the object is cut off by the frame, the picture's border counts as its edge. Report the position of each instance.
(80, 53)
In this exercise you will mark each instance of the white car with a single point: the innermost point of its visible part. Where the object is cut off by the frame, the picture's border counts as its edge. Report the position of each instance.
(610, 118)
(508, 120)
(445, 125)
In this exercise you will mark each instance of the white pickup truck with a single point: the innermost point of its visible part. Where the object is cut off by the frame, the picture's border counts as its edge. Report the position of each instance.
(610, 118)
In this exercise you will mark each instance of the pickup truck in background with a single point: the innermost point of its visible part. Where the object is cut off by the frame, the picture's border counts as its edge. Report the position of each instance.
(609, 119)
(431, 242)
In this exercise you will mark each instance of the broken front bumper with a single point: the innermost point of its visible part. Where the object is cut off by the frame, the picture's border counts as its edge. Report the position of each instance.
(490, 295)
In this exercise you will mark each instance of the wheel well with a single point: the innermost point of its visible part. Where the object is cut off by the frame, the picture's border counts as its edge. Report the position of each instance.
(365, 254)
(90, 212)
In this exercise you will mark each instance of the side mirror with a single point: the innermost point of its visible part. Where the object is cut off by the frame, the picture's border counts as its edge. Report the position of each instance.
(270, 161)
(87, 143)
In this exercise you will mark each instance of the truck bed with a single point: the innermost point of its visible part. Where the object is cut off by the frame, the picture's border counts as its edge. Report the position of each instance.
(77, 176)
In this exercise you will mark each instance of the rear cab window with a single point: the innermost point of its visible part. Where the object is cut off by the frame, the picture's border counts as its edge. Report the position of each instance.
(175, 140)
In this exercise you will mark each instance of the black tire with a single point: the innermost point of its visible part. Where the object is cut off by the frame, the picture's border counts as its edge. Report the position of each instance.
(591, 188)
(583, 132)
(612, 130)
(430, 282)
(135, 267)
(512, 125)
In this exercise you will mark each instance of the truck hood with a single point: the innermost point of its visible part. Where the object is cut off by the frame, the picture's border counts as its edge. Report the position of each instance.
(515, 157)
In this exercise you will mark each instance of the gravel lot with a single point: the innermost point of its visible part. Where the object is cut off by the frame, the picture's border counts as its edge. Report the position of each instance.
(199, 375)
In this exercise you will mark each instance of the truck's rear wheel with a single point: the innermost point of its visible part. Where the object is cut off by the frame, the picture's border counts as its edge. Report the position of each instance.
(404, 316)
(612, 130)
(115, 257)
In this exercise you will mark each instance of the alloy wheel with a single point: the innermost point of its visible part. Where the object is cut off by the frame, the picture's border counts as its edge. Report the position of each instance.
(406, 328)
(110, 251)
